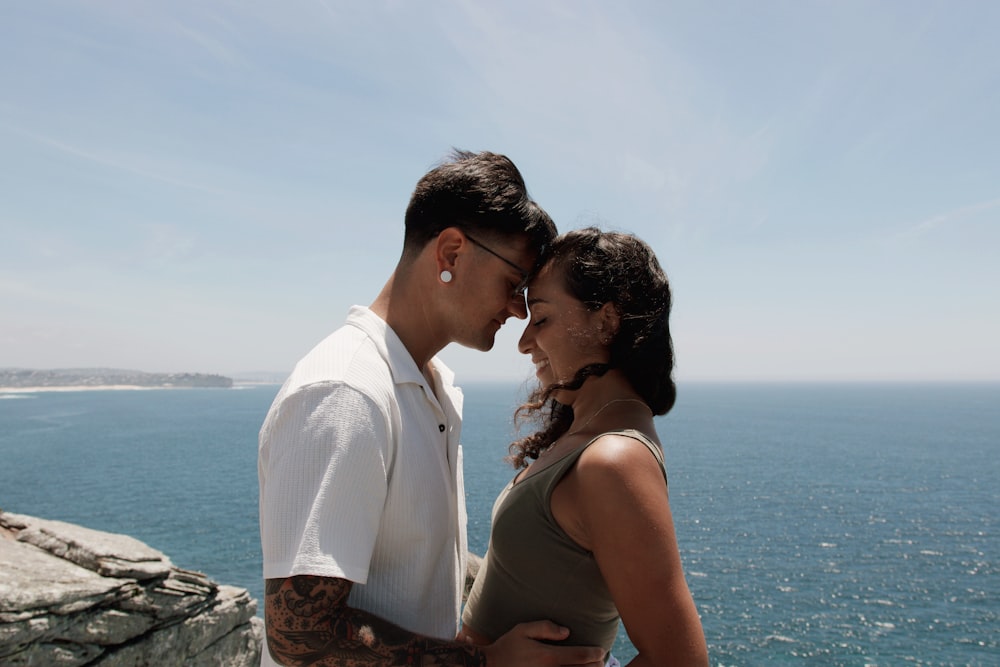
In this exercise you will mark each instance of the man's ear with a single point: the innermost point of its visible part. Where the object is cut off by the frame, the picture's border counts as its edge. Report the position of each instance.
(447, 245)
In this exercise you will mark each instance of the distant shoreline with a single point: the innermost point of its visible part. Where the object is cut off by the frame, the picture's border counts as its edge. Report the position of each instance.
(91, 387)
(123, 387)
(102, 379)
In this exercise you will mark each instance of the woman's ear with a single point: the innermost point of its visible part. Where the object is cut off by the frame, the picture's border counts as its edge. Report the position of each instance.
(609, 323)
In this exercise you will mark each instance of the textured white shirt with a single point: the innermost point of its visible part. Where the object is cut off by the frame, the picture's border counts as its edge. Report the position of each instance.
(360, 472)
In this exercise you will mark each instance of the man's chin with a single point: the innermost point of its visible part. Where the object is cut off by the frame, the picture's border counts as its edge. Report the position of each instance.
(484, 344)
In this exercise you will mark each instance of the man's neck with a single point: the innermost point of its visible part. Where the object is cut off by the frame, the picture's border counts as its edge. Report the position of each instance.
(406, 311)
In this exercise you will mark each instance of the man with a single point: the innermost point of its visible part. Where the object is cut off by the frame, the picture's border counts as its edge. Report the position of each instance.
(362, 504)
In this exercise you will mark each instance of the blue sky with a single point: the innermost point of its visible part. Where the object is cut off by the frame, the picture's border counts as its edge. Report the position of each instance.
(208, 186)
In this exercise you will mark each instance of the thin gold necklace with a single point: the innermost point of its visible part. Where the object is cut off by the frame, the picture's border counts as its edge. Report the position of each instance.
(601, 409)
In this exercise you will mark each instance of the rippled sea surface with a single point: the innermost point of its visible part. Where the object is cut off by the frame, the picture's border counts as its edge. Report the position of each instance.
(819, 524)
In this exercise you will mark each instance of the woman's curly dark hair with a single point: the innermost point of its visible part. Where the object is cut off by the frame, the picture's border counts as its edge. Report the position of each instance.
(599, 267)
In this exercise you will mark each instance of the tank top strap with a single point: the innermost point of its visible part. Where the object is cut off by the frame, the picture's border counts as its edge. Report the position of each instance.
(558, 470)
(650, 445)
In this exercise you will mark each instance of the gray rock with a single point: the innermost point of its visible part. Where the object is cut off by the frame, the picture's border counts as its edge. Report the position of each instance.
(471, 570)
(74, 596)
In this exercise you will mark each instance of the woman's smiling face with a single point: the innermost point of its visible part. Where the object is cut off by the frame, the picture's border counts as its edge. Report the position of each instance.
(562, 335)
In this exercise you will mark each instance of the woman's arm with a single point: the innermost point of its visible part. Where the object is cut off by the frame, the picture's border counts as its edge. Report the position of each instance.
(614, 503)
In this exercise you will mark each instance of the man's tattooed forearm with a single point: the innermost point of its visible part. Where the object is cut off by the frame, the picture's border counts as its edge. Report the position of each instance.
(309, 623)
(444, 655)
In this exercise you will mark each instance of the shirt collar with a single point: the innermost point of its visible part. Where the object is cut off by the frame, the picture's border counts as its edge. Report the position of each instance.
(401, 364)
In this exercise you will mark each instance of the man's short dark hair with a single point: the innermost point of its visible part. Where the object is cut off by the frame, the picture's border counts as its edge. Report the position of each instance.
(482, 193)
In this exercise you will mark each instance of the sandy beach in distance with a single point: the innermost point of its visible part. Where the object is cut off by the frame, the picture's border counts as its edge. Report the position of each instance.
(98, 387)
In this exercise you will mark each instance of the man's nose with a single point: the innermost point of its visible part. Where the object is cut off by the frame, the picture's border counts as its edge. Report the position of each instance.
(527, 341)
(517, 307)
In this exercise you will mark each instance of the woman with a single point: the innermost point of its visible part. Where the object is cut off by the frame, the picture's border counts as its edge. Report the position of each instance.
(583, 534)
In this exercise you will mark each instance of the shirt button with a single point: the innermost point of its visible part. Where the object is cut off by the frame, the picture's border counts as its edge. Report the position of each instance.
(441, 427)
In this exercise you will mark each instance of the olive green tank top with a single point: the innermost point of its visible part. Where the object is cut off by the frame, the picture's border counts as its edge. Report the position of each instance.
(533, 571)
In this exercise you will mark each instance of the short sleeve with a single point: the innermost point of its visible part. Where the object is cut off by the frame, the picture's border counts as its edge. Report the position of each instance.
(325, 455)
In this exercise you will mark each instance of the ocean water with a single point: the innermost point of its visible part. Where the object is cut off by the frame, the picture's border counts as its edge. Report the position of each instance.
(818, 524)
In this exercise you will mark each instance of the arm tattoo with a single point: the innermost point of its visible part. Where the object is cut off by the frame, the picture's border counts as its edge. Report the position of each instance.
(309, 623)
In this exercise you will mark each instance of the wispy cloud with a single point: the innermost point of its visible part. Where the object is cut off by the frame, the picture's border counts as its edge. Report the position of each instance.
(128, 163)
(326, 6)
(210, 44)
(950, 217)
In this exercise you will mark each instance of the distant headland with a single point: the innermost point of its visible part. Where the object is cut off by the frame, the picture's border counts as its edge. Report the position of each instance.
(103, 378)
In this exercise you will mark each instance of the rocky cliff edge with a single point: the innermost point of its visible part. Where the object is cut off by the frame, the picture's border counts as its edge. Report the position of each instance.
(74, 596)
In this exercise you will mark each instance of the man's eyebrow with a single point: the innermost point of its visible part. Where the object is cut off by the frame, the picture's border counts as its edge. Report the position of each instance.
(533, 301)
